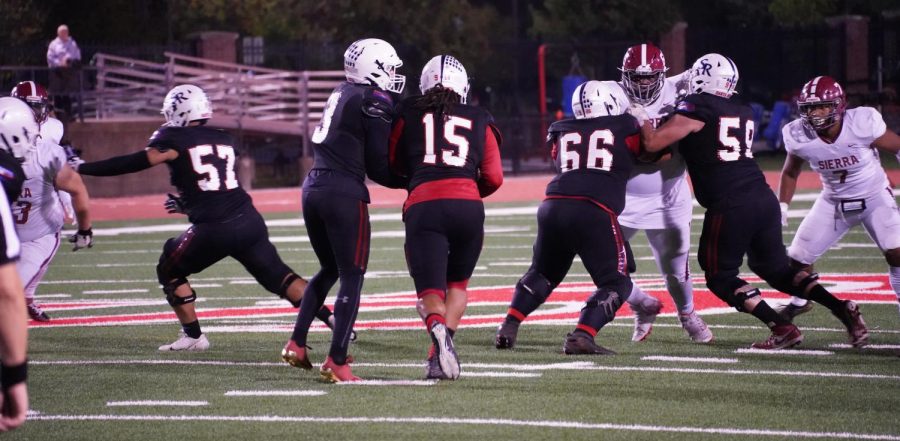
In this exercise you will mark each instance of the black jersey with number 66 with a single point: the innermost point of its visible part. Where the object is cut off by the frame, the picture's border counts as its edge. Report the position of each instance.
(204, 172)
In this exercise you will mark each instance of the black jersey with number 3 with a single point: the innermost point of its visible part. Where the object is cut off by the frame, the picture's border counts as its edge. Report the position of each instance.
(594, 158)
(718, 156)
(204, 172)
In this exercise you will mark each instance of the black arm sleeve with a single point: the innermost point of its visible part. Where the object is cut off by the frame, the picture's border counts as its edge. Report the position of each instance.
(378, 134)
(118, 165)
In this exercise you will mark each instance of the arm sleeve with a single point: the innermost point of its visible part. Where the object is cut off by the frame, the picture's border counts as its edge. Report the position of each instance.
(395, 156)
(688, 108)
(491, 167)
(378, 167)
(118, 165)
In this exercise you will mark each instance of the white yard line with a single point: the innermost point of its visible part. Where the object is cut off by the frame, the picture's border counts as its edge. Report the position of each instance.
(275, 393)
(388, 382)
(432, 420)
(156, 403)
(492, 374)
(690, 359)
(115, 291)
(815, 352)
(575, 366)
(846, 346)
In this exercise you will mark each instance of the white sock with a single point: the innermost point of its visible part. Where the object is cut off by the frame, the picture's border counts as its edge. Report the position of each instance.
(894, 277)
(798, 302)
(637, 295)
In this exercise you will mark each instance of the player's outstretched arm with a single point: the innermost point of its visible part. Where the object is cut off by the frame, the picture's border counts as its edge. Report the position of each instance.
(788, 183)
(124, 164)
(13, 349)
(69, 181)
(889, 142)
(669, 133)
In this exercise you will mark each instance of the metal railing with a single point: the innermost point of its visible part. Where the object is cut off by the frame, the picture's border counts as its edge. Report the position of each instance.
(244, 97)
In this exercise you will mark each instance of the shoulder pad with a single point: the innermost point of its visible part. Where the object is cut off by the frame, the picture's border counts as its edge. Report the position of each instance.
(795, 132)
(378, 104)
(865, 123)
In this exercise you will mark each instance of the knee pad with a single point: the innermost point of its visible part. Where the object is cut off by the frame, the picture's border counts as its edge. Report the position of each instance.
(536, 284)
(164, 267)
(174, 300)
(801, 281)
(741, 295)
(285, 283)
(730, 289)
(606, 299)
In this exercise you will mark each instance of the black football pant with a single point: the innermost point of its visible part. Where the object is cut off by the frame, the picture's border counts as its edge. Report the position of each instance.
(339, 232)
(443, 241)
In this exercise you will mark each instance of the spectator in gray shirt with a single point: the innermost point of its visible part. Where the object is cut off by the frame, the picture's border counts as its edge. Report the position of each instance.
(64, 59)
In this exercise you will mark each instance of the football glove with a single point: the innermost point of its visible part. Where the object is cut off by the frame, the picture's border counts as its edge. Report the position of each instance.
(638, 112)
(82, 239)
(784, 210)
(174, 205)
(72, 157)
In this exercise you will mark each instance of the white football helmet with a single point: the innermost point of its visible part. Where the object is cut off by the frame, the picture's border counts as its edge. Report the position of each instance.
(714, 74)
(447, 71)
(19, 130)
(594, 98)
(186, 103)
(374, 61)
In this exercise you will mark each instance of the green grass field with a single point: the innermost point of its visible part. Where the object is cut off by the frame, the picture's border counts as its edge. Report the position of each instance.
(82, 378)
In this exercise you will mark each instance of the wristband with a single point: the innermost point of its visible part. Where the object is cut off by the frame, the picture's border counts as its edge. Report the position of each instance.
(13, 375)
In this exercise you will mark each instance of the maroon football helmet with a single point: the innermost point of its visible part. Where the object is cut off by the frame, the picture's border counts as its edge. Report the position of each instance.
(36, 97)
(822, 91)
(643, 72)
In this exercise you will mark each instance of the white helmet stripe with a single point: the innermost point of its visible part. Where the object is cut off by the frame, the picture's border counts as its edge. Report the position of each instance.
(815, 83)
(643, 54)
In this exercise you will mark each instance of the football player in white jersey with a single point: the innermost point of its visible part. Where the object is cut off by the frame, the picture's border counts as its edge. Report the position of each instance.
(39, 214)
(840, 144)
(18, 131)
(51, 128)
(658, 198)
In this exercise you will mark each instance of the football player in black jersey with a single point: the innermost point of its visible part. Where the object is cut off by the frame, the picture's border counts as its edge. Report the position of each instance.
(201, 163)
(742, 213)
(18, 133)
(594, 155)
(350, 142)
(451, 153)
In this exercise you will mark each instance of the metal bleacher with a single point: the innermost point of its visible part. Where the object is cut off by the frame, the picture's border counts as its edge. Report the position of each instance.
(244, 97)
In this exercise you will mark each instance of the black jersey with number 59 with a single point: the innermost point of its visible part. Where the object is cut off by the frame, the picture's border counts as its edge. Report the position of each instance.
(204, 172)
(718, 156)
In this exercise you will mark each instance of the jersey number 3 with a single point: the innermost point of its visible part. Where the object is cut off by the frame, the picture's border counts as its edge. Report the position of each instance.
(201, 157)
(448, 157)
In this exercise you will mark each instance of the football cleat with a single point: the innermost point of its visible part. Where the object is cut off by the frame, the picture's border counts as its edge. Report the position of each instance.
(185, 343)
(789, 310)
(433, 369)
(295, 355)
(444, 351)
(644, 316)
(36, 313)
(695, 327)
(332, 372)
(506, 335)
(783, 336)
(856, 327)
(580, 343)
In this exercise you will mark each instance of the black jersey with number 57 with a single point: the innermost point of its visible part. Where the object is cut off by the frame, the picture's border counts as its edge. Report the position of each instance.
(718, 156)
(594, 158)
(204, 172)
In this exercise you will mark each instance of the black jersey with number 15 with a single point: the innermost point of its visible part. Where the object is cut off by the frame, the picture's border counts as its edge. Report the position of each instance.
(718, 156)
(204, 172)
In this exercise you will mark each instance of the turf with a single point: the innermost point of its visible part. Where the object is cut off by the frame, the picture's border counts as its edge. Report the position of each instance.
(535, 391)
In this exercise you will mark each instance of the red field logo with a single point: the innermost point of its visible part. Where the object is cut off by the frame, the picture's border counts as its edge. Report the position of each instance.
(563, 306)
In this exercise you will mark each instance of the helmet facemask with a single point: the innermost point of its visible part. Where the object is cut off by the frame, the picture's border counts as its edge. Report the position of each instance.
(821, 122)
(643, 88)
